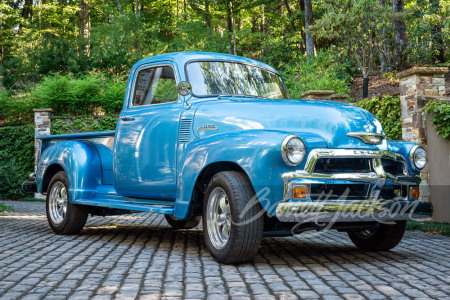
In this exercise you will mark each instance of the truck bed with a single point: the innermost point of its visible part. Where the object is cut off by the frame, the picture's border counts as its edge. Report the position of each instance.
(103, 141)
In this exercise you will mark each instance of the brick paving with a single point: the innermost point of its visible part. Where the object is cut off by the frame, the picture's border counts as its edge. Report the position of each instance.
(140, 256)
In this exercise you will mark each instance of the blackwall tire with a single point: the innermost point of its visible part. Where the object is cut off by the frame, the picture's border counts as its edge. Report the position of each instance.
(63, 216)
(384, 237)
(232, 218)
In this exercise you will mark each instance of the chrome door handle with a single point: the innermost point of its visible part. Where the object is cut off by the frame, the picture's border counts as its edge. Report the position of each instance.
(127, 118)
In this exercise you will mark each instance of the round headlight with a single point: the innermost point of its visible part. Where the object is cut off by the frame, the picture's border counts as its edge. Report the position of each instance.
(293, 150)
(418, 157)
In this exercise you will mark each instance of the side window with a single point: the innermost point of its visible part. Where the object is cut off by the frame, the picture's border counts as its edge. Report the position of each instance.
(155, 85)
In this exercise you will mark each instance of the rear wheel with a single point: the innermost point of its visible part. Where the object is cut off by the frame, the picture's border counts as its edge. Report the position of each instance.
(384, 237)
(63, 216)
(183, 224)
(232, 218)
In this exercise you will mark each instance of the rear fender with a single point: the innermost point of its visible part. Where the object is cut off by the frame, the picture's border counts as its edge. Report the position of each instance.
(81, 163)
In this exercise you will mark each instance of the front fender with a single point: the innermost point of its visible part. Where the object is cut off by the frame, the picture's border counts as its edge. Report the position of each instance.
(403, 148)
(257, 152)
(79, 160)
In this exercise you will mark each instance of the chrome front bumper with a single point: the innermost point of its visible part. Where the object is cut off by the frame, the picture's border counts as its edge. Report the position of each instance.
(372, 209)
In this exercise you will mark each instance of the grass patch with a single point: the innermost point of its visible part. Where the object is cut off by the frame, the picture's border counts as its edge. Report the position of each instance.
(431, 227)
(110, 224)
(5, 207)
(32, 200)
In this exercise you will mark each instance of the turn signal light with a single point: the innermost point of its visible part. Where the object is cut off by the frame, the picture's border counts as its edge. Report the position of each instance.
(415, 193)
(300, 192)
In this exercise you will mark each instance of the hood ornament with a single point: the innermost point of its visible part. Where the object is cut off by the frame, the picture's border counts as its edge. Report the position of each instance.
(368, 137)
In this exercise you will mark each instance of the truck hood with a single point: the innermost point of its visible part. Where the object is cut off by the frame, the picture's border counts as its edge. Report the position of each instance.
(329, 120)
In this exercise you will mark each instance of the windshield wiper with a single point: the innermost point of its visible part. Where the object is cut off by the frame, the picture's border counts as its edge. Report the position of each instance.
(238, 95)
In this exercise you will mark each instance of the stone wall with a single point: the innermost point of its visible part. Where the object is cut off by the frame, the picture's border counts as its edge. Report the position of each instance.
(416, 86)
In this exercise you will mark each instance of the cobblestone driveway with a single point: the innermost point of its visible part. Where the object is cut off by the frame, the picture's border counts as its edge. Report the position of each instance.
(140, 256)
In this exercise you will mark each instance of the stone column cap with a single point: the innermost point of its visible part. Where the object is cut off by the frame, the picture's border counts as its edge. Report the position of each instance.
(42, 110)
(422, 71)
(316, 93)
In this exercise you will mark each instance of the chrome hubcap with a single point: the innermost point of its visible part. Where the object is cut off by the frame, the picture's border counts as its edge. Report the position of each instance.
(218, 218)
(58, 201)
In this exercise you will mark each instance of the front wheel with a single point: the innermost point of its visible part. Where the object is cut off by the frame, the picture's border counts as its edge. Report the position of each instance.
(63, 216)
(232, 218)
(384, 237)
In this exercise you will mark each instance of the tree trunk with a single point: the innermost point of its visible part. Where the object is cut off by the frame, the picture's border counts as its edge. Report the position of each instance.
(229, 27)
(137, 7)
(308, 23)
(84, 23)
(436, 33)
(207, 18)
(400, 38)
(289, 10)
(27, 10)
(383, 47)
(120, 8)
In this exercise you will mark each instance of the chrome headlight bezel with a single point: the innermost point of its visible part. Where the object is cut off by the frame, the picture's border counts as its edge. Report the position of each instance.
(414, 160)
(287, 148)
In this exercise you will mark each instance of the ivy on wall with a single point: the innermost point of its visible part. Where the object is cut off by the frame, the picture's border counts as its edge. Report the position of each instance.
(76, 124)
(387, 110)
(440, 110)
(16, 159)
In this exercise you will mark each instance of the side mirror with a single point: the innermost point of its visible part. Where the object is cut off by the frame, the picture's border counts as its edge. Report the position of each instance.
(184, 88)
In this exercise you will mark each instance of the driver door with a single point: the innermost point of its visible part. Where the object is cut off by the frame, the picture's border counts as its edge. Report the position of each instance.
(146, 136)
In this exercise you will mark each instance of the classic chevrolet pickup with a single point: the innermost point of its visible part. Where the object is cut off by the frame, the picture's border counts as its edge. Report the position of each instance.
(217, 137)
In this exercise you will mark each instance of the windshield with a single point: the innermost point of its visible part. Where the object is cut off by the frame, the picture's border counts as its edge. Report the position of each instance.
(214, 78)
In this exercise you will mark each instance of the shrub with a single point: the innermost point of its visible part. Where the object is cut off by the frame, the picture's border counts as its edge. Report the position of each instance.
(68, 95)
(324, 72)
(16, 159)
(75, 124)
(15, 110)
(387, 111)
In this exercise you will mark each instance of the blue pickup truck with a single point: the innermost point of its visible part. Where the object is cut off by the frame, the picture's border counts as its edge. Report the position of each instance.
(214, 137)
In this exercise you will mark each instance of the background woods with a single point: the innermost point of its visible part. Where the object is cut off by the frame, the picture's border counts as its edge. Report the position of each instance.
(74, 56)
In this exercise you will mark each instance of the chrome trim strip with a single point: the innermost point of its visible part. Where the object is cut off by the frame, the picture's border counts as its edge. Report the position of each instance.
(363, 137)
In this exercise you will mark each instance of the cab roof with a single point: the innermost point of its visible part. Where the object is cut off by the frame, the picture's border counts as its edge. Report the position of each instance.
(181, 58)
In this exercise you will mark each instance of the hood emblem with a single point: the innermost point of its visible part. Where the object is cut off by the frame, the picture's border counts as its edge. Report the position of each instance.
(208, 127)
(368, 137)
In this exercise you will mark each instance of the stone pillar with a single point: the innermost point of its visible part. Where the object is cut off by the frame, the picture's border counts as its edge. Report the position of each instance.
(417, 84)
(41, 127)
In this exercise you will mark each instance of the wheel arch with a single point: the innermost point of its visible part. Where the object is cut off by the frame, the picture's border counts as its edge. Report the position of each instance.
(49, 173)
(205, 177)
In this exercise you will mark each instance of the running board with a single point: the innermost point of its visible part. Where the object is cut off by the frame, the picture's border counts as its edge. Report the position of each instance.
(154, 206)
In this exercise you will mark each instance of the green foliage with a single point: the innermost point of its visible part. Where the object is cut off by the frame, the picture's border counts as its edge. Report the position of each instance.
(387, 110)
(431, 227)
(327, 71)
(16, 159)
(440, 110)
(75, 124)
(15, 111)
(66, 94)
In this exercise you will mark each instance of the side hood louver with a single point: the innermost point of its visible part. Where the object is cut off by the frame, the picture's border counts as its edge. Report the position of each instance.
(184, 133)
